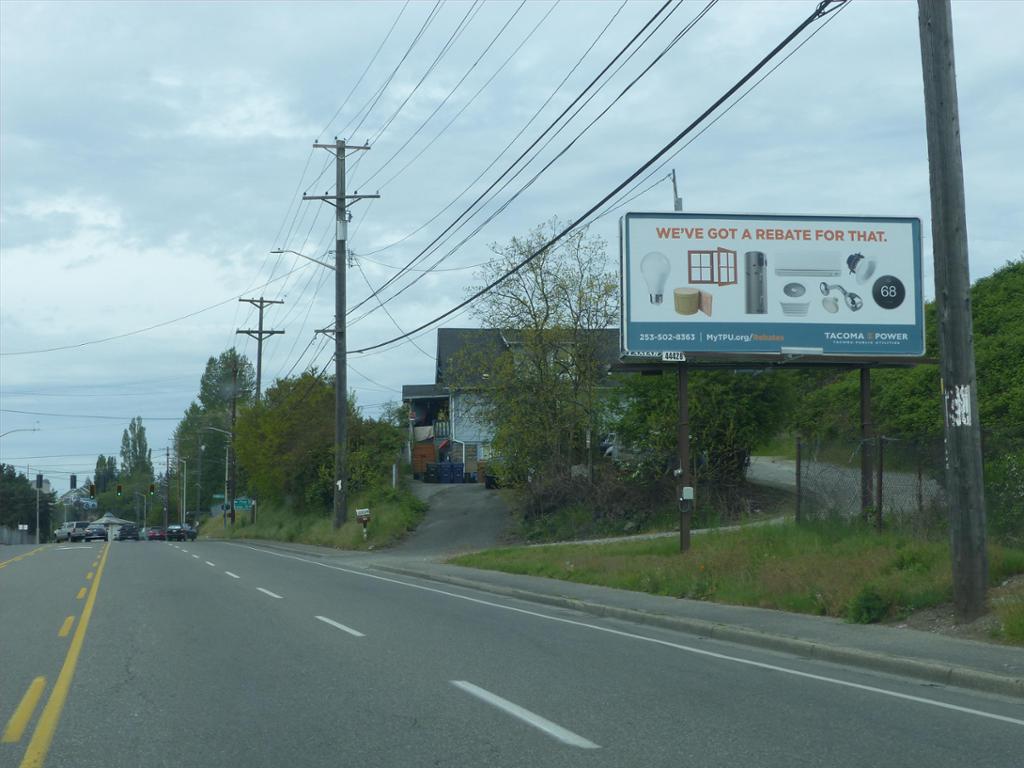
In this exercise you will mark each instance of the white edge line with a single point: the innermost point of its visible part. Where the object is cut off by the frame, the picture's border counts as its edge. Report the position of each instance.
(196, 556)
(657, 641)
(232, 575)
(268, 592)
(342, 627)
(210, 564)
(554, 730)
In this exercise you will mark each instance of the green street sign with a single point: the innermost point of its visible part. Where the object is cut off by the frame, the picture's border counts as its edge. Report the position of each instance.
(218, 495)
(243, 504)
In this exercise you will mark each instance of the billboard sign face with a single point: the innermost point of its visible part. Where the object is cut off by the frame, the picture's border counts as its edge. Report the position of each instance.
(766, 284)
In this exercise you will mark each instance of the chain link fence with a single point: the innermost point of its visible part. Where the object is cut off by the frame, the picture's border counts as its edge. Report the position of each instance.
(900, 482)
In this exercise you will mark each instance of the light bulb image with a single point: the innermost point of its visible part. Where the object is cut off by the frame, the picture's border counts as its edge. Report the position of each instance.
(655, 269)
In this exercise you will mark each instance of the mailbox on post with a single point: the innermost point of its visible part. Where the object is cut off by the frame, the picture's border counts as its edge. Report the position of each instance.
(363, 517)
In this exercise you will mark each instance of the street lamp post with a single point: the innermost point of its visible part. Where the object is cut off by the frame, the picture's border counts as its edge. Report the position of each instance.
(199, 484)
(183, 497)
(227, 454)
(12, 431)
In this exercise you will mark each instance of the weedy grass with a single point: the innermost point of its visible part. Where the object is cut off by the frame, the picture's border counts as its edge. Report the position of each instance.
(394, 512)
(1011, 617)
(829, 569)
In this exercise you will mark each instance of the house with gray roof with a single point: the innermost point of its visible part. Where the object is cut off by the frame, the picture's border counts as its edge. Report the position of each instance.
(444, 417)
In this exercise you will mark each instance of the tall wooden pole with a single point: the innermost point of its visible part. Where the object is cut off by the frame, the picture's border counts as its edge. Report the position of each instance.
(964, 481)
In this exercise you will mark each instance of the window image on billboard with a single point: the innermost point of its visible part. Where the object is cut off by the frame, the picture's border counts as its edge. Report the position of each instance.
(769, 284)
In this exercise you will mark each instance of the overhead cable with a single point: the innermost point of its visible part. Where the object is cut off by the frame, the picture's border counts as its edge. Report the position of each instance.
(819, 11)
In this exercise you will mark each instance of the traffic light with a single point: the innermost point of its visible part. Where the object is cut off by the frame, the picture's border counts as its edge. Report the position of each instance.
(152, 489)
(74, 482)
(92, 490)
(119, 489)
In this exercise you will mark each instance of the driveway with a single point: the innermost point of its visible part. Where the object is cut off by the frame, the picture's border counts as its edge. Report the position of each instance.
(462, 517)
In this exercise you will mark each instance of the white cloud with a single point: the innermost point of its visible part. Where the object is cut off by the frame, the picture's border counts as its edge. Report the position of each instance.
(89, 212)
(226, 104)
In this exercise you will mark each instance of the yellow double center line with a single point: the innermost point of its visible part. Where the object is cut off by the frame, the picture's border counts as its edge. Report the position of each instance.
(42, 737)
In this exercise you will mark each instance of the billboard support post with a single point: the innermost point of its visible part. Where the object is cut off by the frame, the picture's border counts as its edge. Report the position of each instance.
(865, 442)
(683, 441)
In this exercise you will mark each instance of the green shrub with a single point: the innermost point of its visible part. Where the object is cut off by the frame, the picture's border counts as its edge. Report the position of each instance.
(868, 606)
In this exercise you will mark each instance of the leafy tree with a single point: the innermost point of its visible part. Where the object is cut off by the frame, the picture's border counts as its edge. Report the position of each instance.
(228, 374)
(285, 443)
(200, 440)
(730, 413)
(907, 402)
(106, 472)
(542, 396)
(136, 458)
(18, 502)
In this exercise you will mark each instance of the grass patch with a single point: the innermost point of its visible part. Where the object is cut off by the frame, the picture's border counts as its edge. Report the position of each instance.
(394, 512)
(826, 569)
(1011, 617)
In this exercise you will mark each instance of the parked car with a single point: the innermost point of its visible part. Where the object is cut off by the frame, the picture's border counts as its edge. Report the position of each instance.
(76, 530)
(156, 534)
(95, 533)
(177, 533)
(126, 532)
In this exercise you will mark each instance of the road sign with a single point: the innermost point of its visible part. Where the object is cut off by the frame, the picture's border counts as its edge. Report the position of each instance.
(243, 504)
(218, 495)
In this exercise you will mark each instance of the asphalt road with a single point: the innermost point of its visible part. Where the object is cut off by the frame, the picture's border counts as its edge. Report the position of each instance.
(221, 654)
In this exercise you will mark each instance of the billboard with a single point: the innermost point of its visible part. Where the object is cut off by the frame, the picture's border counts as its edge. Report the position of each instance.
(769, 284)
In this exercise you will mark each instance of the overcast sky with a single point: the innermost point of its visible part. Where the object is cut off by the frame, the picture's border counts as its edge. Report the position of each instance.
(152, 155)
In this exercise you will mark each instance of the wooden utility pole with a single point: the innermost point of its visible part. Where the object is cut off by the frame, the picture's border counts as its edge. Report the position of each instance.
(964, 481)
(339, 200)
(231, 441)
(259, 334)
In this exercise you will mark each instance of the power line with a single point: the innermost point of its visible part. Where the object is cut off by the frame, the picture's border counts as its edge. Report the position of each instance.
(819, 11)
(89, 416)
(365, 70)
(830, 17)
(451, 93)
(154, 326)
(465, 106)
(390, 316)
(459, 29)
(689, 26)
(380, 91)
(525, 152)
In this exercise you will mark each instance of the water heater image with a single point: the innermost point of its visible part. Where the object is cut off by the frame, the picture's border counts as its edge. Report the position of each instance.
(756, 282)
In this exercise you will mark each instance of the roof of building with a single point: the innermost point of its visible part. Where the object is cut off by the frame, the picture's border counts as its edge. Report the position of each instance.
(418, 391)
(453, 342)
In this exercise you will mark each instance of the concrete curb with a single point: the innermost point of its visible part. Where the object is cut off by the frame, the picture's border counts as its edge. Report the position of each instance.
(932, 672)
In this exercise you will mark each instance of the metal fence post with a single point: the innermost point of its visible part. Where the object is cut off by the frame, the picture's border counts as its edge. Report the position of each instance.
(878, 487)
(799, 446)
